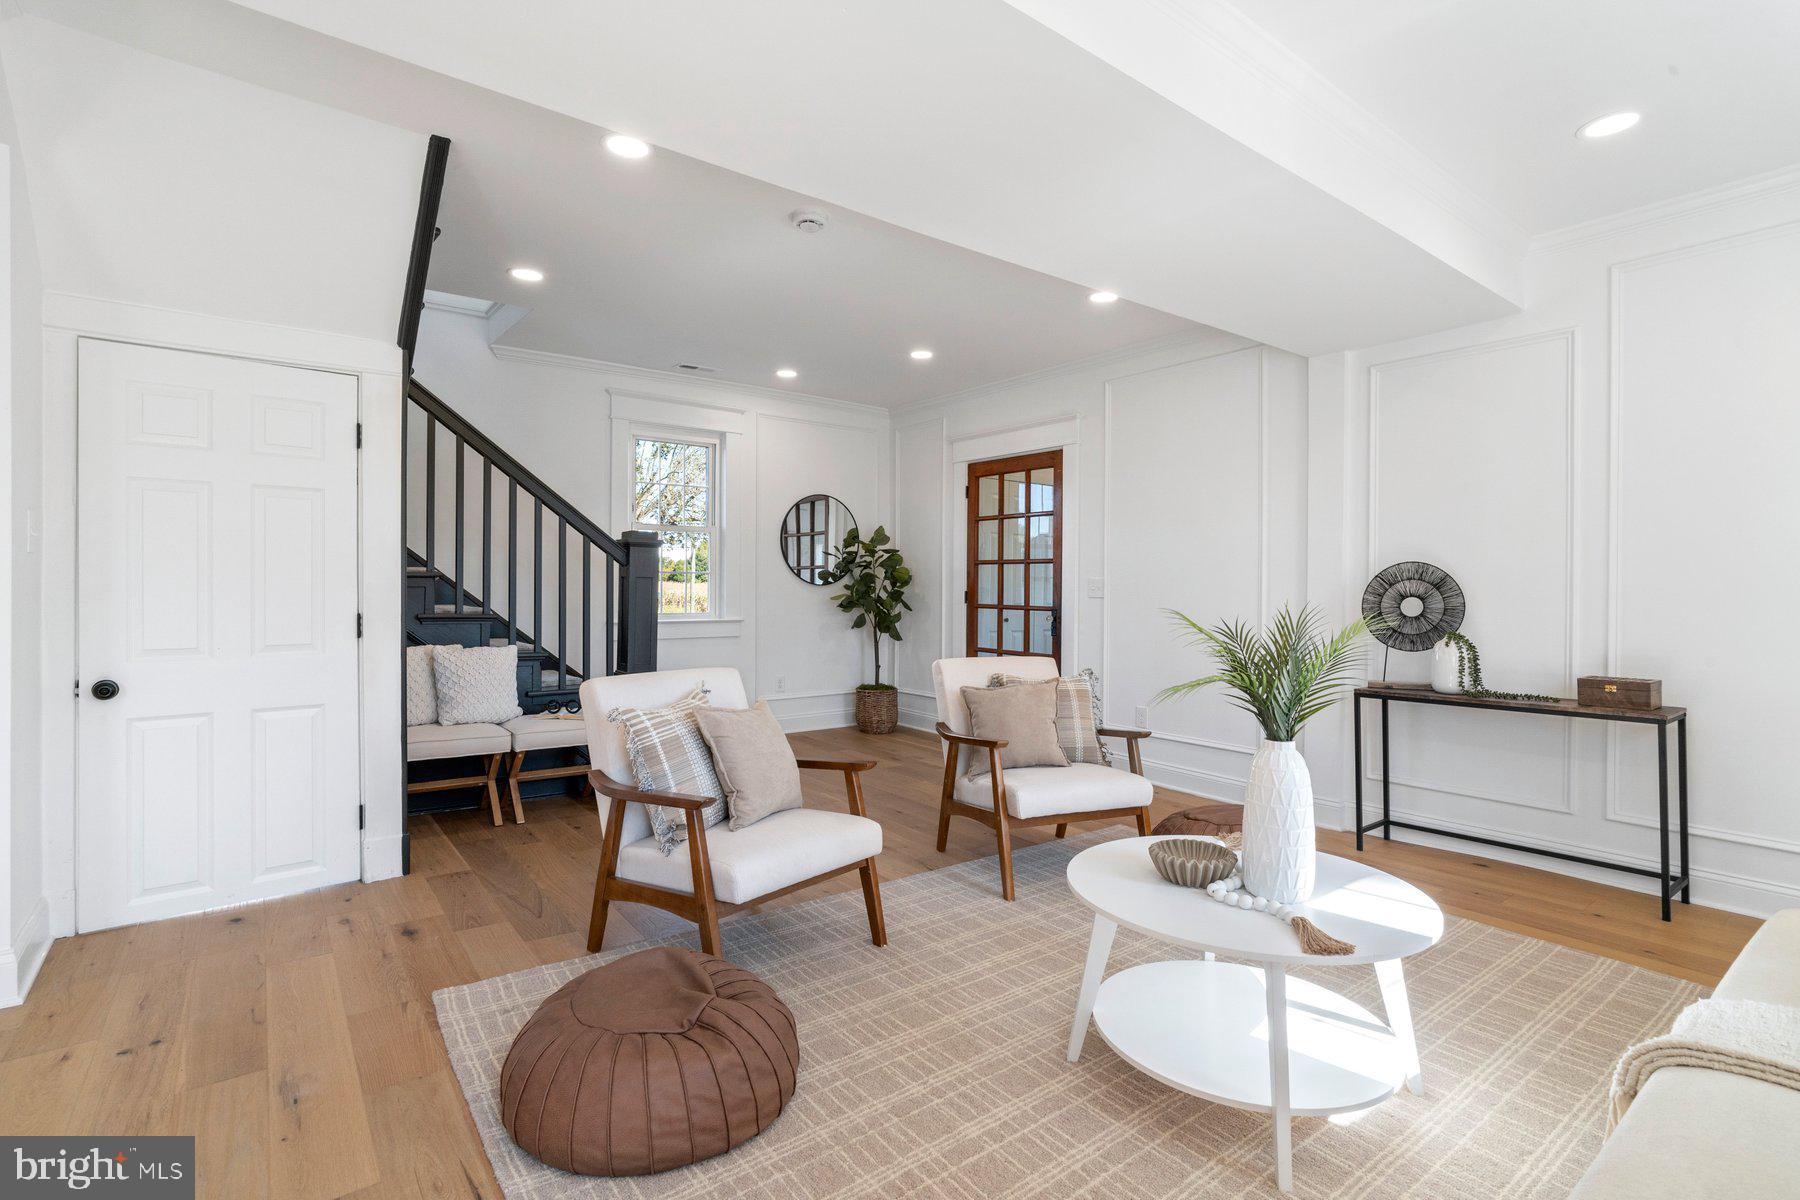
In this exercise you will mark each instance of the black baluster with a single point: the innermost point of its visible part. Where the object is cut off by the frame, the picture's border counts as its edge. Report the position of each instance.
(537, 577)
(459, 524)
(487, 536)
(431, 494)
(512, 561)
(609, 586)
(587, 611)
(562, 603)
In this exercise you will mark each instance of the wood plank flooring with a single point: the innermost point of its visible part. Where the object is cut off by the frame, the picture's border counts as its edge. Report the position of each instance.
(297, 1038)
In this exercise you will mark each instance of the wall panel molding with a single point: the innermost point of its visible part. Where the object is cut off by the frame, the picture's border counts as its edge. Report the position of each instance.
(1567, 337)
(1618, 275)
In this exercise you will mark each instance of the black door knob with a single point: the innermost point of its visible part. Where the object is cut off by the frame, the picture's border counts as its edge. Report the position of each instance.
(104, 689)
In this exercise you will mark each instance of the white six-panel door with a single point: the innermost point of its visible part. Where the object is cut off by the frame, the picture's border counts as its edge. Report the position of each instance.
(217, 589)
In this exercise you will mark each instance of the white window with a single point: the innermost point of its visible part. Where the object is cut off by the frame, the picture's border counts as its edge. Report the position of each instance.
(675, 494)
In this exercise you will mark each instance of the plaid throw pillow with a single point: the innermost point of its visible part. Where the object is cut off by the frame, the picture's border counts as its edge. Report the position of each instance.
(669, 755)
(1077, 715)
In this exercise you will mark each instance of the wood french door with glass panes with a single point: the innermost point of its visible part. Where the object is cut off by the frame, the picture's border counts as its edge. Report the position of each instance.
(1014, 596)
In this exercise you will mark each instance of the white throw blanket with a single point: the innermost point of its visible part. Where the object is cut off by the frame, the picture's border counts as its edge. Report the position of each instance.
(1743, 1037)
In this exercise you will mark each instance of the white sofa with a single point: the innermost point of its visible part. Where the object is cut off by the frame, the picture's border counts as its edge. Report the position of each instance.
(1695, 1134)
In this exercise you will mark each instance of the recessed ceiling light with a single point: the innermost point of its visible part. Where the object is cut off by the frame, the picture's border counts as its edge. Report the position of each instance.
(626, 146)
(921, 354)
(1608, 125)
(527, 274)
(787, 373)
(1103, 297)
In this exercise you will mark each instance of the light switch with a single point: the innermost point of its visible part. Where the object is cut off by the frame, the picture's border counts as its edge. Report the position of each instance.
(1096, 588)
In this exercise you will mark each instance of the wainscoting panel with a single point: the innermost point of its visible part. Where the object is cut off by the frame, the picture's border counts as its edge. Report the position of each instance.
(1472, 467)
(1705, 408)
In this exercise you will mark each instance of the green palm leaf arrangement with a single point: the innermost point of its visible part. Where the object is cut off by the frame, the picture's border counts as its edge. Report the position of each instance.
(1283, 675)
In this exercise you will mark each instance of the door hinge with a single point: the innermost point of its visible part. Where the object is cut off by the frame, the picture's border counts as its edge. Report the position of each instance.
(358, 624)
(361, 812)
(359, 435)
(965, 595)
(965, 491)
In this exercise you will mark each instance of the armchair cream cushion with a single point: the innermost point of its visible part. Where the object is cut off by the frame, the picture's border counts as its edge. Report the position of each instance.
(1053, 791)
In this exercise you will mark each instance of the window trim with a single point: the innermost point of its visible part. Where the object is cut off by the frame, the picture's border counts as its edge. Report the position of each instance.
(714, 529)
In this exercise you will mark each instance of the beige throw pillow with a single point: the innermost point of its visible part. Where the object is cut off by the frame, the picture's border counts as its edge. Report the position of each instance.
(1023, 716)
(669, 755)
(754, 762)
(1077, 715)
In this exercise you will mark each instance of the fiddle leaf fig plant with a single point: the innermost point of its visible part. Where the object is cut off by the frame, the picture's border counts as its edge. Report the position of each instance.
(875, 577)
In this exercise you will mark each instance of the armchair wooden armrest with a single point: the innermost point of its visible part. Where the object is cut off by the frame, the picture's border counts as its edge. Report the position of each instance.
(852, 770)
(1132, 738)
(834, 764)
(618, 791)
(963, 739)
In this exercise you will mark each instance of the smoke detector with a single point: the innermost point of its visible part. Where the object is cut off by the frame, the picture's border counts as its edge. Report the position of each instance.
(808, 220)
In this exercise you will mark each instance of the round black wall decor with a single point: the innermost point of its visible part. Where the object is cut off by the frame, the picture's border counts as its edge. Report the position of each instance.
(1412, 605)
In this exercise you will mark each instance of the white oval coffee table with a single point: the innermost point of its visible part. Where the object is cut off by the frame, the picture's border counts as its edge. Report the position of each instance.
(1248, 1036)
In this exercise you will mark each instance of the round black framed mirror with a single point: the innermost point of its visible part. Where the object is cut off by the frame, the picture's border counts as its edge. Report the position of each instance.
(811, 533)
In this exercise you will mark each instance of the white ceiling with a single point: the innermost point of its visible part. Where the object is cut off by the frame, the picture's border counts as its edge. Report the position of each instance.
(1226, 196)
(666, 260)
(1495, 89)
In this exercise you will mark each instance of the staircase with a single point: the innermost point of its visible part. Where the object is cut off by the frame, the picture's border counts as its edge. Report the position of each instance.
(502, 559)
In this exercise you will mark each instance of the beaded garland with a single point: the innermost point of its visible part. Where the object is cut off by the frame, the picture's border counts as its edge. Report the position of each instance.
(1313, 940)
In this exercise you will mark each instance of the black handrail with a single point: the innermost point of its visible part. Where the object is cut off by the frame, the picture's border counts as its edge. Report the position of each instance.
(511, 467)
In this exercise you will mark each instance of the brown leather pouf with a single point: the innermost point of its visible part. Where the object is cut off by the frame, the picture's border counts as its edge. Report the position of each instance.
(1222, 821)
(657, 1060)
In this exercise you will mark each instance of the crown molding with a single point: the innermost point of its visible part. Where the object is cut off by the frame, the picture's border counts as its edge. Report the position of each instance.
(1662, 212)
(574, 362)
(1209, 340)
(467, 306)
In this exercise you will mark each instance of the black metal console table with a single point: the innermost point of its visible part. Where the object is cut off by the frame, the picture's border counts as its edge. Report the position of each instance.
(1669, 883)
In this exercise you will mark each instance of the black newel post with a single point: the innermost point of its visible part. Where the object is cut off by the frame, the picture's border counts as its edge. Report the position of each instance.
(638, 605)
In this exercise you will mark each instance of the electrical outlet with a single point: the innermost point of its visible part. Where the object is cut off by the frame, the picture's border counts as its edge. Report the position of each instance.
(1143, 716)
(781, 683)
(1096, 588)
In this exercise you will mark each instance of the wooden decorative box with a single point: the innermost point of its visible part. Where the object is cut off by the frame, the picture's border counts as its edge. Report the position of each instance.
(1609, 691)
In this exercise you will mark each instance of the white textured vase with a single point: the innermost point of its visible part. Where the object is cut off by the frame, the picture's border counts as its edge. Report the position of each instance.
(1444, 659)
(1280, 845)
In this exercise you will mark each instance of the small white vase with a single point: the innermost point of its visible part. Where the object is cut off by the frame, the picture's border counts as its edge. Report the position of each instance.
(1444, 660)
(1280, 844)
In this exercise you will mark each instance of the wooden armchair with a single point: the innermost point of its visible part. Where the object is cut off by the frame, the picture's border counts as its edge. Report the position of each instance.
(719, 870)
(1005, 800)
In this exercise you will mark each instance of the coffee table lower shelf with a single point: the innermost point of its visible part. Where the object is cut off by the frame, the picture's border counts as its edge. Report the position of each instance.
(1203, 1028)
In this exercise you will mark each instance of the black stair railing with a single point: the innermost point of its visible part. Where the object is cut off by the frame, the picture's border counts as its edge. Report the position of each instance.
(627, 580)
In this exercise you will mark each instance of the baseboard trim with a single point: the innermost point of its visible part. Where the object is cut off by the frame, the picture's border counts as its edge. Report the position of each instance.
(21, 962)
(384, 857)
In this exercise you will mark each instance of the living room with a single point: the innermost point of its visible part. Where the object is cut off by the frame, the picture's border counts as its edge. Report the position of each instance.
(862, 504)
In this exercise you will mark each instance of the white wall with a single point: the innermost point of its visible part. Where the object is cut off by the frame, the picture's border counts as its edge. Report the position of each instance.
(1185, 475)
(1610, 477)
(24, 927)
(177, 207)
(183, 189)
(567, 420)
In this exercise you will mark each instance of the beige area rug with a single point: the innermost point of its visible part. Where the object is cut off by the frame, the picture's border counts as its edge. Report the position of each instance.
(936, 1067)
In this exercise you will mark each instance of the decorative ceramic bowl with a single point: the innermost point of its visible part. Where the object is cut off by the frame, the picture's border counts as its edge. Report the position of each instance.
(1193, 862)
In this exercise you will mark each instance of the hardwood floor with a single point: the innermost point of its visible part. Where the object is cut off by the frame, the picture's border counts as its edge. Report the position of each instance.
(297, 1038)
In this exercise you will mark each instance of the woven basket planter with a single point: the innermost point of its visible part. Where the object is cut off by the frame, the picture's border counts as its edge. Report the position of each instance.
(877, 711)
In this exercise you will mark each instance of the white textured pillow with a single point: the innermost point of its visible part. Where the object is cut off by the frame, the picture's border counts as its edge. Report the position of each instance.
(476, 684)
(668, 754)
(421, 688)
